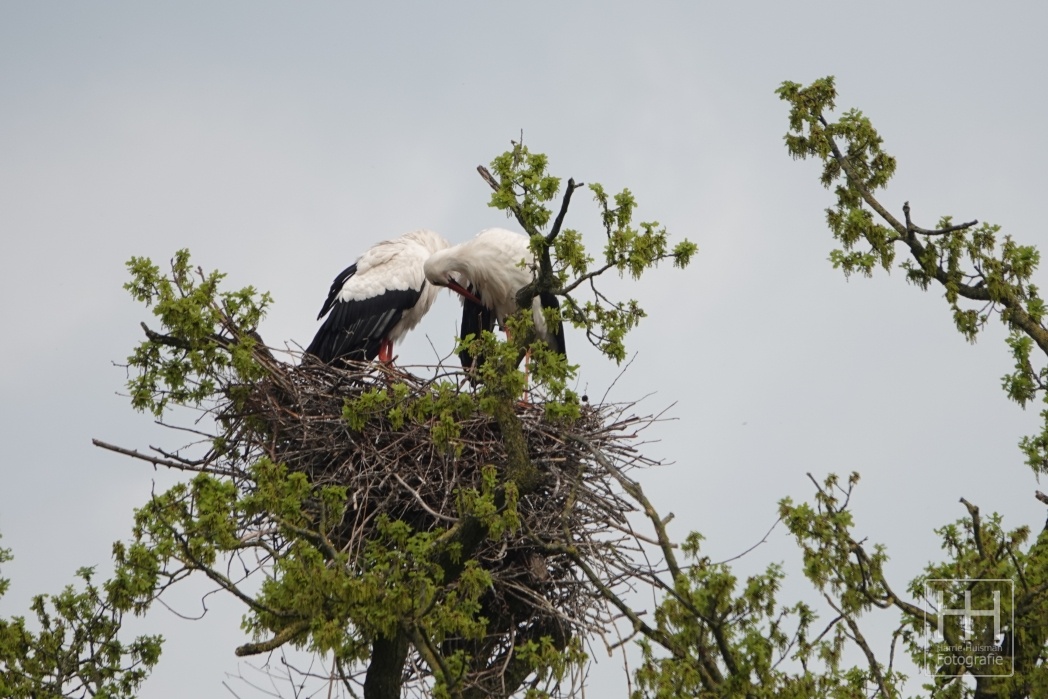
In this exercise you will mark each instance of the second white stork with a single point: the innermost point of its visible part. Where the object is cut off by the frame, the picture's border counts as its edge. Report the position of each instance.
(377, 299)
(487, 272)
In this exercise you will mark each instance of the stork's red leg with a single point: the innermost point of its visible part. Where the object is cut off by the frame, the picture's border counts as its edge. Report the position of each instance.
(385, 351)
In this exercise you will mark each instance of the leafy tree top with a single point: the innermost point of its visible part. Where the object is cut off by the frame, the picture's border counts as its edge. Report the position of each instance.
(983, 274)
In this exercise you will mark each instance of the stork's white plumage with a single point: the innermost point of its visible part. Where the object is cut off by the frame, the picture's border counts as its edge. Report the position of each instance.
(493, 266)
(377, 299)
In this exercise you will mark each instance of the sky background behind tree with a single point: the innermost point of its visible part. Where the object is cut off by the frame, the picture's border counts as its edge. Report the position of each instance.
(277, 141)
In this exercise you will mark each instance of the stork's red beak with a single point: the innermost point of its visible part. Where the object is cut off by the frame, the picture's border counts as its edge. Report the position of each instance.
(463, 291)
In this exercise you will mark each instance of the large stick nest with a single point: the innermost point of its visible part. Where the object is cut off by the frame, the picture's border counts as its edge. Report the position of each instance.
(577, 513)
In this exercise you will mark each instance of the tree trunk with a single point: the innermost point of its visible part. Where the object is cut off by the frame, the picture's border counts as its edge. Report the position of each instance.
(386, 672)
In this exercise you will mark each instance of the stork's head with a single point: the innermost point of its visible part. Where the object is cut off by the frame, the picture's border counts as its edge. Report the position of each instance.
(444, 268)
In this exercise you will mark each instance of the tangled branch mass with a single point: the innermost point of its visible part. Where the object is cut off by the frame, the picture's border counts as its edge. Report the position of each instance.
(354, 427)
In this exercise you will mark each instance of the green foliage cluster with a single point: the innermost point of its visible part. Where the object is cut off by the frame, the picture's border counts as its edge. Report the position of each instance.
(316, 595)
(523, 187)
(441, 408)
(724, 639)
(982, 274)
(494, 504)
(500, 377)
(216, 334)
(72, 647)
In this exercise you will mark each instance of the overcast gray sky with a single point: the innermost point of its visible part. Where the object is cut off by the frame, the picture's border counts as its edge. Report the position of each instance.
(278, 140)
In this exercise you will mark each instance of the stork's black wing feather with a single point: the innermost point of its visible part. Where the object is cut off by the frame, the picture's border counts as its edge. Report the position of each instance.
(355, 329)
(336, 287)
(475, 319)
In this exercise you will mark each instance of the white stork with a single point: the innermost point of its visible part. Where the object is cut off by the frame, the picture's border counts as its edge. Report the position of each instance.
(377, 299)
(487, 272)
